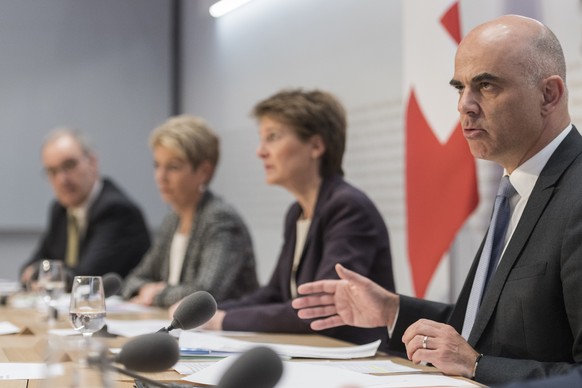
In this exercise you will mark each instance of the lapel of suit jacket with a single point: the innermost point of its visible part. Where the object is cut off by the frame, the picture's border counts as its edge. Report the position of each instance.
(457, 317)
(93, 211)
(58, 236)
(542, 193)
(325, 191)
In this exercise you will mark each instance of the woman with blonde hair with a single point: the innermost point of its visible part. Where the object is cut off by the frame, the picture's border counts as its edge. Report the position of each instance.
(203, 244)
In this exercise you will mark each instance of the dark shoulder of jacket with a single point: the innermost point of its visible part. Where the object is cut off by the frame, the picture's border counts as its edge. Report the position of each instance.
(342, 193)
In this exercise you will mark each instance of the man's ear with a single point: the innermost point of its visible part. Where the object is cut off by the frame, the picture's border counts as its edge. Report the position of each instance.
(553, 90)
(93, 162)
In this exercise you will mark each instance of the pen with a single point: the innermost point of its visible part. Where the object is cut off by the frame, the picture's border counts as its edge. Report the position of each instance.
(196, 351)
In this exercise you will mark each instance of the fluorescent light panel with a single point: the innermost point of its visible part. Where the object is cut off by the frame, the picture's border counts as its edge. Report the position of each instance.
(223, 7)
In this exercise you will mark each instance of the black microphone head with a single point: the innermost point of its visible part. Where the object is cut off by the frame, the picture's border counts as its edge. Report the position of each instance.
(154, 352)
(259, 367)
(111, 284)
(196, 309)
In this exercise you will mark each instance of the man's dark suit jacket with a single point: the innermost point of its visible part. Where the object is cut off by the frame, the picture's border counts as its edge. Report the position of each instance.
(346, 228)
(530, 320)
(115, 240)
(568, 380)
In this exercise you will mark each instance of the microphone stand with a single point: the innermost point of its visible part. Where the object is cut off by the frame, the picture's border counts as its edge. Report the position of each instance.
(137, 376)
(103, 363)
(165, 329)
(147, 380)
(168, 329)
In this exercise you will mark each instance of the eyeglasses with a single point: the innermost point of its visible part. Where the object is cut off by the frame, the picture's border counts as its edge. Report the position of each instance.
(66, 167)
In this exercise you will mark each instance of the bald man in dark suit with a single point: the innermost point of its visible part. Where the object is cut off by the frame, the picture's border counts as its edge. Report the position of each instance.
(513, 103)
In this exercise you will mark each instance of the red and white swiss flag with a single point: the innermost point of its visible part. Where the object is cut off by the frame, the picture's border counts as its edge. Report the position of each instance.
(441, 188)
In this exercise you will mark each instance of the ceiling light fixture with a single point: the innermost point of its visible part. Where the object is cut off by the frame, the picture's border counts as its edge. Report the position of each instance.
(223, 7)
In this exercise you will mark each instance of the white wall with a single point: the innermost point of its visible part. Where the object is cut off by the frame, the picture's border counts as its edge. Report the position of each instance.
(102, 66)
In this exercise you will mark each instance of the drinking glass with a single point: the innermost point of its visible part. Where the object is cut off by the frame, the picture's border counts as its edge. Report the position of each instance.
(87, 308)
(51, 282)
(72, 362)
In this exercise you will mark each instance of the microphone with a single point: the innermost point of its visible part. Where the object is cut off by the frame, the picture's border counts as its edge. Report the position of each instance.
(111, 284)
(196, 309)
(259, 367)
(154, 352)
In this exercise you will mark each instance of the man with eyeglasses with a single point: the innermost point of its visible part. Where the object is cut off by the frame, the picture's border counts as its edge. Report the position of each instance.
(93, 226)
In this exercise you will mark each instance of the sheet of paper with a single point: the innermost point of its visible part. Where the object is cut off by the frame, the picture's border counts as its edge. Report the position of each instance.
(116, 304)
(417, 380)
(23, 300)
(311, 375)
(228, 333)
(187, 368)
(64, 332)
(197, 340)
(63, 304)
(372, 366)
(295, 374)
(35, 300)
(23, 371)
(8, 287)
(133, 328)
(113, 304)
(8, 328)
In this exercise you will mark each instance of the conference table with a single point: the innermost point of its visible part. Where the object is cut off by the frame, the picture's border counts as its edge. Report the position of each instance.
(30, 344)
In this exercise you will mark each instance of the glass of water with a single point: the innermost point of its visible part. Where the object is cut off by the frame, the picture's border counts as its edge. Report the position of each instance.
(72, 362)
(51, 282)
(87, 308)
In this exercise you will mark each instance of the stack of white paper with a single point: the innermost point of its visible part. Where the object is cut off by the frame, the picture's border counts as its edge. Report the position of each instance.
(8, 328)
(309, 375)
(25, 370)
(196, 340)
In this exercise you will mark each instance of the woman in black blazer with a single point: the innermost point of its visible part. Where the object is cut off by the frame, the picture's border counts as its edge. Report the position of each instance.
(302, 141)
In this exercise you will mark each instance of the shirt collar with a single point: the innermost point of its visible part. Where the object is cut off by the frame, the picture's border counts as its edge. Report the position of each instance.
(525, 176)
(80, 212)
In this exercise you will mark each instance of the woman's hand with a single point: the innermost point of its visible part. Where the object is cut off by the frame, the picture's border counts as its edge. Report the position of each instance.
(148, 292)
(215, 323)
